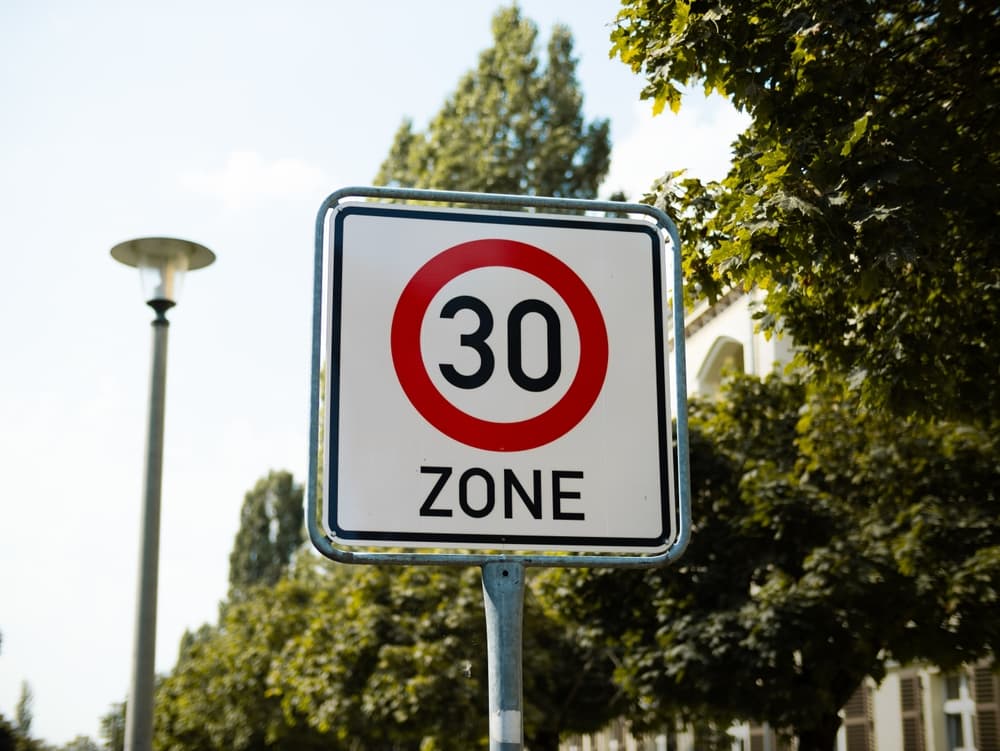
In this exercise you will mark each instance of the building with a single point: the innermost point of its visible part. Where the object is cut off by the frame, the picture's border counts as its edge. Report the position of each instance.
(724, 337)
(913, 709)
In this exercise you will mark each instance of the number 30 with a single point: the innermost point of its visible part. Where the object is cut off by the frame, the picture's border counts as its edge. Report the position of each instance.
(515, 357)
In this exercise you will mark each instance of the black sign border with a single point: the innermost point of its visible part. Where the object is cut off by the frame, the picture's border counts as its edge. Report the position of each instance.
(481, 542)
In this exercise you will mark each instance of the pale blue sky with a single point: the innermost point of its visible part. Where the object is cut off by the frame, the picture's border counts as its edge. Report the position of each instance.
(226, 123)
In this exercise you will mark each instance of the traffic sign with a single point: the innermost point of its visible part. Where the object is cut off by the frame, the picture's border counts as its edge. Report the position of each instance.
(496, 381)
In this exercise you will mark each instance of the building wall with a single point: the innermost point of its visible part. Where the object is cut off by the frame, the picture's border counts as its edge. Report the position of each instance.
(723, 337)
(888, 730)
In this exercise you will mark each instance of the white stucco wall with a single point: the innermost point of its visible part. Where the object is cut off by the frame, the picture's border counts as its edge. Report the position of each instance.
(731, 321)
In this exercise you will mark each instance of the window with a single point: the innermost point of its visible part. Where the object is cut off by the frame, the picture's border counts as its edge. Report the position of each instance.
(953, 727)
(953, 686)
(958, 712)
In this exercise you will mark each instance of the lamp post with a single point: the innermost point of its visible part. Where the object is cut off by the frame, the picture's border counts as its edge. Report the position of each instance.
(162, 262)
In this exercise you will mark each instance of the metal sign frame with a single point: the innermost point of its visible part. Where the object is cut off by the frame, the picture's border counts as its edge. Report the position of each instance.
(681, 521)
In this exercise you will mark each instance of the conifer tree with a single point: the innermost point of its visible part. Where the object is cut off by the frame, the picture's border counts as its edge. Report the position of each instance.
(269, 534)
(511, 126)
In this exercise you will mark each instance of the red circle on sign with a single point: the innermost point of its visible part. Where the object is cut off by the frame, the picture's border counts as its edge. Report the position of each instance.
(537, 431)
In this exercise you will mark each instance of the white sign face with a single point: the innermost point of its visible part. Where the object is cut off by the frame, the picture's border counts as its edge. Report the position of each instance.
(496, 382)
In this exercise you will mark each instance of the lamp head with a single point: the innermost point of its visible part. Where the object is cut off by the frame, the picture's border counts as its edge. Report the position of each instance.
(162, 262)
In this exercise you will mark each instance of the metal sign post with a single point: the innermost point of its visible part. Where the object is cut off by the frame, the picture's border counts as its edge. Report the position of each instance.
(496, 381)
(503, 598)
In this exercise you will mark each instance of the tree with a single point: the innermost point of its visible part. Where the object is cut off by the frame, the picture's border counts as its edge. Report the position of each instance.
(113, 727)
(393, 659)
(371, 657)
(16, 736)
(8, 735)
(863, 195)
(302, 665)
(81, 743)
(20, 733)
(220, 694)
(271, 530)
(510, 126)
(346, 658)
(24, 711)
(828, 540)
(403, 650)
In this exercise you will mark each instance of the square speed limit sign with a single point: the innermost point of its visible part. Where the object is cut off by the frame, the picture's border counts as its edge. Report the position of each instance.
(496, 381)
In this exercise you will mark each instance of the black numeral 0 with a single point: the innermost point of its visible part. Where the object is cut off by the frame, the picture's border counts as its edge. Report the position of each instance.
(514, 350)
(487, 362)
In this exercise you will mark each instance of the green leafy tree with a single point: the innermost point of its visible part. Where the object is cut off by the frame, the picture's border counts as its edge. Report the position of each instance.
(271, 530)
(511, 125)
(81, 743)
(301, 665)
(371, 657)
(24, 712)
(8, 735)
(828, 540)
(112, 727)
(392, 658)
(863, 197)
(7, 731)
(220, 693)
(404, 650)
(23, 717)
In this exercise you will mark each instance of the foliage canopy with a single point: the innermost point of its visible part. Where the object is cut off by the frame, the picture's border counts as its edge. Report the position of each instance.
(370, 657)
(863, 197)
(828, 539)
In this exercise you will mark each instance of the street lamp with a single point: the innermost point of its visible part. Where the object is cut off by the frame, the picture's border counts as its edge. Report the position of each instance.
(162, 262)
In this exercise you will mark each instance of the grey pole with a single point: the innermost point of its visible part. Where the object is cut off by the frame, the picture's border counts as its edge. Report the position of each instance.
(139, 710)
(162, 260)
(503, 597)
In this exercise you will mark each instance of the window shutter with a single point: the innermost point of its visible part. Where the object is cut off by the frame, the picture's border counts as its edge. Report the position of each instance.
(764, 738)
(987, 697)
(858, 720)
(911, 711)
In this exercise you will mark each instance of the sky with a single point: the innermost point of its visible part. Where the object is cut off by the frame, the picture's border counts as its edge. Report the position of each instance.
(226, 123)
